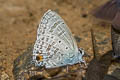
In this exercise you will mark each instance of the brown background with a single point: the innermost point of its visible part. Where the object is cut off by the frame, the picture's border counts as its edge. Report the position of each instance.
(19, 20)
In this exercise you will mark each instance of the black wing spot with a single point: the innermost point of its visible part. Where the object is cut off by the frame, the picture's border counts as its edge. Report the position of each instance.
(52, 37)
(37, 52)
(59, 41)
(38, 62)
(66, 47)
(37, 46)
(37, 58)
(61, 63)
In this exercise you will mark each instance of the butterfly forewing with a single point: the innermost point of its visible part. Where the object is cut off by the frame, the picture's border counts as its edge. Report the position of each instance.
(52, 23)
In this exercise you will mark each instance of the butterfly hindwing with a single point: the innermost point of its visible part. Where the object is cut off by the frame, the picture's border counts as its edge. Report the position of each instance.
(55, 52)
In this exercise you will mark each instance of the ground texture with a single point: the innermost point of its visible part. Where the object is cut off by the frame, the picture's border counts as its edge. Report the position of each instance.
(18, 25)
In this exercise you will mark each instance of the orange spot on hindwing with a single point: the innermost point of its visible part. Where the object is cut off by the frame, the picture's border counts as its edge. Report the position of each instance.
(39, 58)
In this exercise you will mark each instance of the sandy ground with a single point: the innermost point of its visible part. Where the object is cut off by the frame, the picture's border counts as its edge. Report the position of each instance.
(19, 20)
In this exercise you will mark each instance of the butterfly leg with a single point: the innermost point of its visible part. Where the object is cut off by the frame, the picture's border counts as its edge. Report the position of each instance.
(84, 62)
(67, 68)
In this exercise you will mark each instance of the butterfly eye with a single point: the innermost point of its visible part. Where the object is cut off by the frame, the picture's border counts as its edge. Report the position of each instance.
(80, 51)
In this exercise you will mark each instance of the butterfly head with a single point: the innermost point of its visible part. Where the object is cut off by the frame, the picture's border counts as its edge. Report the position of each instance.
(81, 53)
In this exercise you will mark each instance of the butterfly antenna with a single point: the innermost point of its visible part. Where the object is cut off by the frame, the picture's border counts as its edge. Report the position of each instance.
(94, 44)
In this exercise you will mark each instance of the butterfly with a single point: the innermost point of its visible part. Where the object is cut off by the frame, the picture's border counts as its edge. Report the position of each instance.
(55, 45)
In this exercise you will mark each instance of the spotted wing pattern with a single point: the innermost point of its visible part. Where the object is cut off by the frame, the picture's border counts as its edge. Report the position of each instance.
(52, 23)
(55, 45)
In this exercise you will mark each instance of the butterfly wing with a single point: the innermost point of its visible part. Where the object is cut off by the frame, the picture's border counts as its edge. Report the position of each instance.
(52, 23)
(54, 43)
(55, 52)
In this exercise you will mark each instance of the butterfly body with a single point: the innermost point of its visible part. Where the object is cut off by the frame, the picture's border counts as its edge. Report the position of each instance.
(55, 46)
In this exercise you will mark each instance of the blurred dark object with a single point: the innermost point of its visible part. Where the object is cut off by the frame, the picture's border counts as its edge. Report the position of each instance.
(95, 50)
(108, 10)
(116, 73)
(116, 60)
(84, 15)
(116, 21)
(109, 77)
(115, 42)
(98, 66)
(97, 69)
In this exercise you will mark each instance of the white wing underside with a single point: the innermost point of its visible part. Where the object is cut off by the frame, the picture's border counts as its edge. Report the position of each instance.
(54, 42)
(52, 23)
(55, 53)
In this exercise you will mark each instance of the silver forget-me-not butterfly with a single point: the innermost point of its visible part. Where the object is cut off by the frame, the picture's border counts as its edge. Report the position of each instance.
(55, 45)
